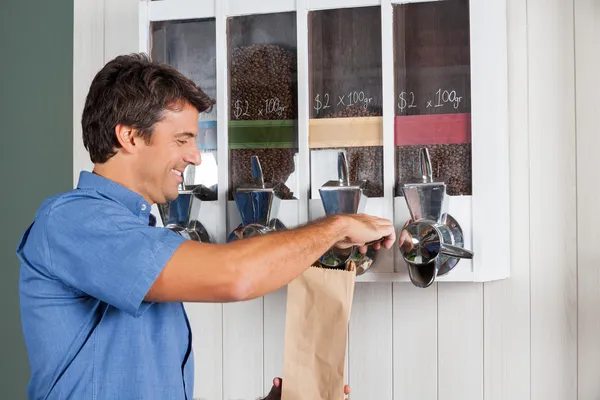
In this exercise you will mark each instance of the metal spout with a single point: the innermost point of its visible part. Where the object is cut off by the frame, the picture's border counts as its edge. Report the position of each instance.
(343, 171)
(342, 196)
(257, 173)
(257, 203)
(425, 200)
(181, 215)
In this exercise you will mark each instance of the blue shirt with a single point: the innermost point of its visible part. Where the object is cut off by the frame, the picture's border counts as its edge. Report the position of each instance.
(87, 262)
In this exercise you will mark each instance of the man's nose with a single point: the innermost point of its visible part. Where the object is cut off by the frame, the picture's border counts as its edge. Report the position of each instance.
(193, 157)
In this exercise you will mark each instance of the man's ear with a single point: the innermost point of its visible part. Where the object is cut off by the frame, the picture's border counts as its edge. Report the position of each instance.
(128, 138)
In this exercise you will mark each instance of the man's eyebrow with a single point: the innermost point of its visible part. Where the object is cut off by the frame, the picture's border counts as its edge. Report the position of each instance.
(186, 134)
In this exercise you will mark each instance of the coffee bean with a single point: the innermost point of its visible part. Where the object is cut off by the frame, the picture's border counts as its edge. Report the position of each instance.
(277, 166)
(263, 83)
(263, 87)
(450, 163)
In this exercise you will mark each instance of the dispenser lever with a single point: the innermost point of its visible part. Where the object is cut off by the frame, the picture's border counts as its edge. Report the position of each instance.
(455, 251)
(182, 184)
(257, 174)
(425, 162)
(343, 173)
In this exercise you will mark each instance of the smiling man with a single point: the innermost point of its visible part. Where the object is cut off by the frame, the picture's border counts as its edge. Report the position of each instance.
(102, 287)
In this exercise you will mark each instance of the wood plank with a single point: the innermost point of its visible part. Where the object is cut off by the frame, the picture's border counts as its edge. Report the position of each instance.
(415, 336)
(88, 58)
(345, 132)
(303, 110)
(553, 200)
(244, 7)
(180, 9)
(121, 28)
(206, 321)
(506, 303)
(274, 336)
(335, 4)
(370, 342)
(587, 59)
(243, 350)
(460, 341)
(490, 140)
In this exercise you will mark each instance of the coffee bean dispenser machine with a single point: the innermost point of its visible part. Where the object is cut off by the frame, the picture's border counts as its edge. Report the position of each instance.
(345, 135)
(387, 103)
(262, 122)
(432, 138)
(181, 215)
(190, 47)
(258, 204)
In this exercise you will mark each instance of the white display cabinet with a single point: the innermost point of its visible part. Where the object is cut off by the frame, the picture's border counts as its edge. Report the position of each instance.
(296, 82)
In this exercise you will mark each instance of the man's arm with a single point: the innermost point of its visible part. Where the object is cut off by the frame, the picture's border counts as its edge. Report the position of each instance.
(250, 268)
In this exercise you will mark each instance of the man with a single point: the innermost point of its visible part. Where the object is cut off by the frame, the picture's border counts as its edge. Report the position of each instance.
(102, 288)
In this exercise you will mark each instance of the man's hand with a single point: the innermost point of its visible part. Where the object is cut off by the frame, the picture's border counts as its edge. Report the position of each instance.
(275, 393)
(363, 229)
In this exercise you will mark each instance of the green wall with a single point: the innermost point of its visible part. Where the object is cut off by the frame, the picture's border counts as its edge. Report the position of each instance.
(36, 151)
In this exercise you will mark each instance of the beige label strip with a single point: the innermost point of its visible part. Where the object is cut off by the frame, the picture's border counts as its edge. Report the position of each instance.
(345, 132)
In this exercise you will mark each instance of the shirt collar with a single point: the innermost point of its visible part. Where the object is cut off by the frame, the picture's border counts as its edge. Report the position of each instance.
(115, 191)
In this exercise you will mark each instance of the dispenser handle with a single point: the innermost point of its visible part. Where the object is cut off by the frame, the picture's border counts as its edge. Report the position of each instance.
(182, 184)
(455, 251)
(257, 173)
(343, 173)
(425, 162)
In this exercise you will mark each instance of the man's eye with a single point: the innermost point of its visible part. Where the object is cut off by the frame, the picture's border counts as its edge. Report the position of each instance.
(181, 141)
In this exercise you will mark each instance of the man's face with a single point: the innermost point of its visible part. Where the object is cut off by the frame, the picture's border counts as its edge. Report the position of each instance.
(172, 148)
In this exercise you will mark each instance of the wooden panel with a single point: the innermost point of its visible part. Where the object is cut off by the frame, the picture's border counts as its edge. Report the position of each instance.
(339, 132)
(243, 350)
(303, 110)
(415, 327)
(88, 58)
(274, 335)
(387, 96)
(460, 341)
(121, 28)
(489, 148)
(506, 303)
(553, 212)
(370, 342)
(331, 4)
(432, 129)
(245, 7)
(587, 57)
(206, 321)
(180, 9)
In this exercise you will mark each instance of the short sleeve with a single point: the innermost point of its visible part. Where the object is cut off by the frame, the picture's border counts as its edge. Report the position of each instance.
(102, 249)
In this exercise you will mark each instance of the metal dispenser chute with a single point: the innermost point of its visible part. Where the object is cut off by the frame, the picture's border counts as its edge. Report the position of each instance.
(432, 243)
(258, 205)
(344, 197)
(180, 215)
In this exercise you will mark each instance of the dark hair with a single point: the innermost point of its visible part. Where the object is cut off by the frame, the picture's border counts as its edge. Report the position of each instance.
(135, 91)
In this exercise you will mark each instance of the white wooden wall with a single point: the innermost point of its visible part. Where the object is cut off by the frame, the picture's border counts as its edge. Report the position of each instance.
(534, 336)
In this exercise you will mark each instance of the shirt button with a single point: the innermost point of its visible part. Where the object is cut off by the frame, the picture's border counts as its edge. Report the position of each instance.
(143, 207)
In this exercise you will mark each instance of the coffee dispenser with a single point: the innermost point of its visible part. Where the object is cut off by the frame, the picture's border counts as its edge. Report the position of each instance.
(258, 204)
(181, 215)
(344, 197)
(432, 242)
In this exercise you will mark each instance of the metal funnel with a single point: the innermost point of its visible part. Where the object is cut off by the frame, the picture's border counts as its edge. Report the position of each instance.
(257, 202)
(425, 200)
(340, 196)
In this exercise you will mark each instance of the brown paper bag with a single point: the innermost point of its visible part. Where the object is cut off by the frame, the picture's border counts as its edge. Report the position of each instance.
(316, 331)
